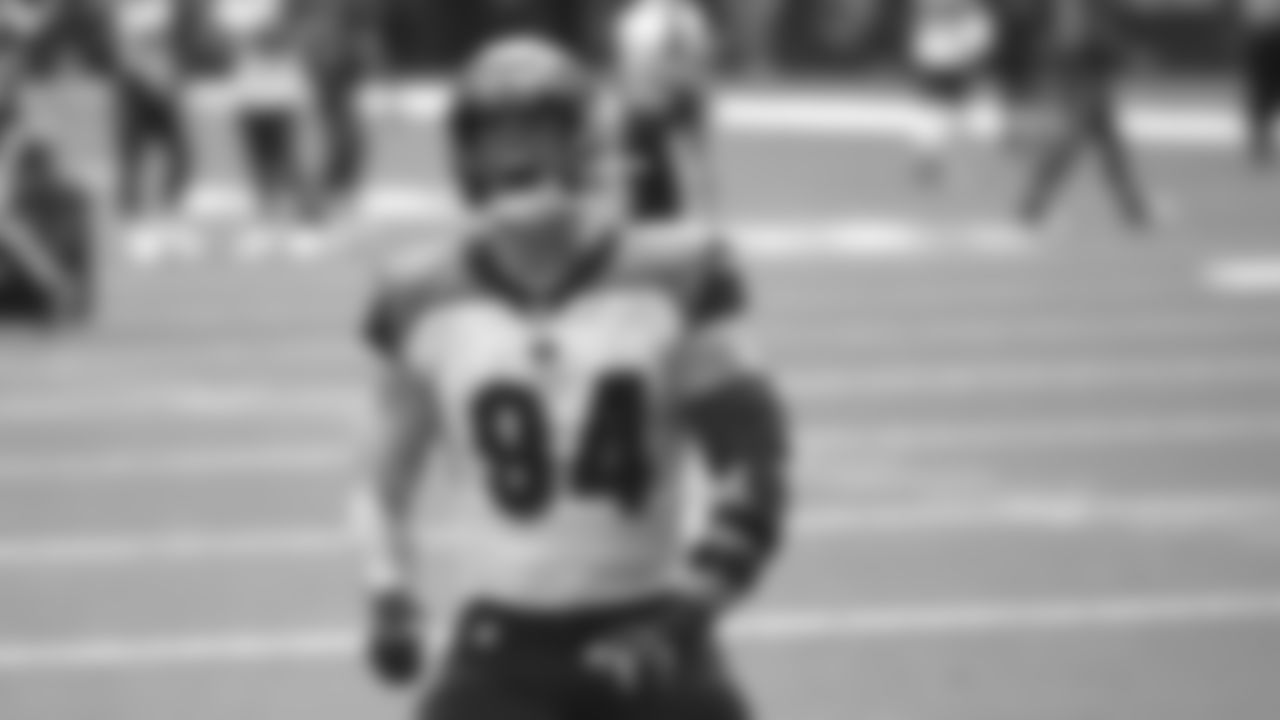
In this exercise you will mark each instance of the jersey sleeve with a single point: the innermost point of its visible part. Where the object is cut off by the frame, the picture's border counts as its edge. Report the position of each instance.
(717, 347)
(403, 296)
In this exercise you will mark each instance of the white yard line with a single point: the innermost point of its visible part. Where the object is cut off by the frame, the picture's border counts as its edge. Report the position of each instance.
(152, 461)
(841, 112)
(1173, 375)
(1036, 513)
(149, 458)
(1164, 430)
(1257, 276)
(762, 629)
(342, 402)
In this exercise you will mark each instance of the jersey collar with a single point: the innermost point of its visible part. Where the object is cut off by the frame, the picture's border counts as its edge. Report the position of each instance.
(579, 274)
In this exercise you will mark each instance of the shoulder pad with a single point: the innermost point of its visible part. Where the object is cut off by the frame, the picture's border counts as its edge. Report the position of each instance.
(697, 264)
(411, 285)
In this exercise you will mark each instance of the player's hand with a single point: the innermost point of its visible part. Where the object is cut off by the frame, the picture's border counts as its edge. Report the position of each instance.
(394, 650)
(648, 656)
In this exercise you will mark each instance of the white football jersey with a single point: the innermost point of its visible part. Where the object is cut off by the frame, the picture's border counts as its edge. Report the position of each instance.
(951, 33)
(559, 477)
(266, 71)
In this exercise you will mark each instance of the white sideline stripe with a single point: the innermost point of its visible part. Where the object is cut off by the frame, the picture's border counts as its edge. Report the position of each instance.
(154, 462)
(1033, 434)
(853, 112)
(1048, 513)
(195, 401)
(1245, 276)
(869, 237)
(764, 628)
(385, 200)
(1175, 374)
(1158, 326)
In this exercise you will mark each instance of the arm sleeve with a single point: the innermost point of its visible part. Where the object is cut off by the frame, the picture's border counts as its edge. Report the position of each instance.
(738, 422)
(742, 430)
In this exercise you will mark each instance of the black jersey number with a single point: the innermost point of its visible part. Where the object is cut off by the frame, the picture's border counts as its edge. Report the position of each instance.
(610, 462)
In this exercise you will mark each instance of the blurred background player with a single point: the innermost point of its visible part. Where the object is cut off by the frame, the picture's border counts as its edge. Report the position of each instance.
(46, 269)
(1260, 46)
(664, 57)
(48, 253)
(1083, 57)
(1020, 26)
(148, 89)
(340, 37)
(952, 42)
(272, 96)
(546, 381)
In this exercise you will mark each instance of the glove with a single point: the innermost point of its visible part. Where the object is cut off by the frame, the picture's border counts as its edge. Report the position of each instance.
(649, 655)
(394, 649)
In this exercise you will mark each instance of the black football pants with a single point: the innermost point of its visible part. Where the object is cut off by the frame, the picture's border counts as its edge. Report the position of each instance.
(151, 136)
(511, 665)
(1089, 124)
(344, 135)
(270, 139)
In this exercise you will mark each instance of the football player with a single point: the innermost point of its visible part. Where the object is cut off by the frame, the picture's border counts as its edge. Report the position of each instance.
(951, 43)
(664, 55)
(148, 82)
(44, 233)
(546, 383)
(272, 93)
(340, 37)
(1084, 61)
(1260, 38)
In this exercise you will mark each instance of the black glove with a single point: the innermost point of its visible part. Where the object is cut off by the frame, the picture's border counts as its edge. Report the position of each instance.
(649, 655)
(394, 651)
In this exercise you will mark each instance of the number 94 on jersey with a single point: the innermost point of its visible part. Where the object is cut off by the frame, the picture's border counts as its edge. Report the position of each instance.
(611, 459)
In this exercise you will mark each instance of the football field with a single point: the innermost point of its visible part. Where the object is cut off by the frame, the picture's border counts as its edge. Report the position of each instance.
(1038, 480)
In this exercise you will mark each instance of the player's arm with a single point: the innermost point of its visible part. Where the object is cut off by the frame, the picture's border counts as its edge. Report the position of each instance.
(402, 442)
(737, 418)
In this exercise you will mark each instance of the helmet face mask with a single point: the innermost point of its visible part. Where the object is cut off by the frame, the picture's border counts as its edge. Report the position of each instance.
(519, 149)
(520, 124)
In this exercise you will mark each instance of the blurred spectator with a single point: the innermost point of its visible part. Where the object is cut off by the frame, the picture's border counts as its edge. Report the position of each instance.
(272, 95)
(1082, 56)
(1020, 32)
(1260, 35)
(148, 79)
(752, 30)
(47, 272)
(841, 33)
(340, 38)
(663, 54)
(950, 44)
